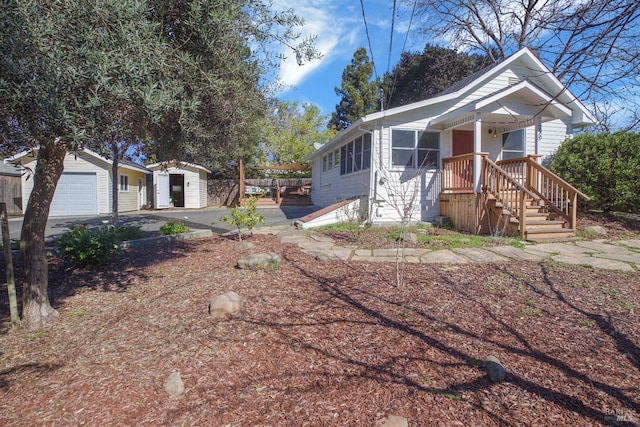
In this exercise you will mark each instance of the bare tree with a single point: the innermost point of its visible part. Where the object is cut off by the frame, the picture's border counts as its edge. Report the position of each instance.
(590, 45)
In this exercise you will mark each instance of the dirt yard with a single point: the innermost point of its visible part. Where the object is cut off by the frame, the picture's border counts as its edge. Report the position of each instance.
(325, 343)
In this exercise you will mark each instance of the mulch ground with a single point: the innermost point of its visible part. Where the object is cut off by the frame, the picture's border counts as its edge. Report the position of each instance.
(325, 343)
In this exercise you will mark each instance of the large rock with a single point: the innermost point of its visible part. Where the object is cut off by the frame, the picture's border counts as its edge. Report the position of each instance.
(226, 304)
(174, 385)
(395, 421)
(260, 260)
(244, 246)
(596, 229)
(494, 368)
(410, 238)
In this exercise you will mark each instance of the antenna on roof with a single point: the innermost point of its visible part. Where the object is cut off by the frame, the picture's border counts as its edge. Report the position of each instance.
(381, 97)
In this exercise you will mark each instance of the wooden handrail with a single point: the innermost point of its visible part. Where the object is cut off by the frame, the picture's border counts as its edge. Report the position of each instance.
(510, 179)
(457, 173)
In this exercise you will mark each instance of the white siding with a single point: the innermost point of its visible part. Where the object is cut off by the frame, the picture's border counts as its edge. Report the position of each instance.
(128, 200)
(202, 186)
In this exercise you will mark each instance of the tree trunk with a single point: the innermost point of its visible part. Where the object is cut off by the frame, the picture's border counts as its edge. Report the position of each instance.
(37, 312)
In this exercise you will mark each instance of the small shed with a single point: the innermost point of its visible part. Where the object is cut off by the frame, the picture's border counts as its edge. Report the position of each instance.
(179, 184)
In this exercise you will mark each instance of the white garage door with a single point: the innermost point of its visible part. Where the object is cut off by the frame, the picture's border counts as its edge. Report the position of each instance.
(76, 194)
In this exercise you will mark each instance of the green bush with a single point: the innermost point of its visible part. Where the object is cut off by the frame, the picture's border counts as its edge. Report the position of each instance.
(83, 247)
(88, 248)
(173, 227)
(606, 167)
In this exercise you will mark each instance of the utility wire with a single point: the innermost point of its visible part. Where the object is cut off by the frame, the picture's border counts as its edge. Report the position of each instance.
(366, 29)
(404, 45)
(393, 21)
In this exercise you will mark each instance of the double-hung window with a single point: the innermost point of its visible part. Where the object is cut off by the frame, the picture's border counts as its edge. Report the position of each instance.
(124, 183)
(355, 155)
(513, 145)
(415, 149)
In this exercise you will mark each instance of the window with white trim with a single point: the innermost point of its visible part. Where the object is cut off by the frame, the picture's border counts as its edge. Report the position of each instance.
(415, 149)
(513, 145)
(124, 183)
(355, 155)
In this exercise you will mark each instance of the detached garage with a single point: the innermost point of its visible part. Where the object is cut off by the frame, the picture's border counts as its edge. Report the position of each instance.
(85, 187)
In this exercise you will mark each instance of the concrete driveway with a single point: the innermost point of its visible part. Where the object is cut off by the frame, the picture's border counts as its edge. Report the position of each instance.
(152, 220)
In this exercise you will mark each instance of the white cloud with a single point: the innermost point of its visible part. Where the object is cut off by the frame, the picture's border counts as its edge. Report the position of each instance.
(336, 36)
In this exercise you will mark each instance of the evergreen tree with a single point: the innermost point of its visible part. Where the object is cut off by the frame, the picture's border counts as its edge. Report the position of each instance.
(419, 76)
(359, 95)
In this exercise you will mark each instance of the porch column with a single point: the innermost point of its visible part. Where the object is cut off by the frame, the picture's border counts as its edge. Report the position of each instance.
(477, 148)
(538, 133)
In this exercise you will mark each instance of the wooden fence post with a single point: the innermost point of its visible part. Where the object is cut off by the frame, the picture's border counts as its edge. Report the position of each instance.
(11, 284)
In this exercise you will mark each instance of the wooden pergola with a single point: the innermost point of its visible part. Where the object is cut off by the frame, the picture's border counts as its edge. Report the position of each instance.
(276, 168)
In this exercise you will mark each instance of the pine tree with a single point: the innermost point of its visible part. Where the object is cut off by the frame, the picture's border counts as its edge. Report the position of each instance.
(422, 75)
(359, 95)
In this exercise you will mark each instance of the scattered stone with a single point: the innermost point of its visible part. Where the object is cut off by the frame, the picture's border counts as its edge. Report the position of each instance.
(395, 421)
(174, 385)
(411, 238)
(226, 304)
(244, 246)
(260, 260)
(494, 369)
(597, 229)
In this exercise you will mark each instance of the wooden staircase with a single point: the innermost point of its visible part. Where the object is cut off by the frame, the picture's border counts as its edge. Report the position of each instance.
(540, 222)
(539, 204)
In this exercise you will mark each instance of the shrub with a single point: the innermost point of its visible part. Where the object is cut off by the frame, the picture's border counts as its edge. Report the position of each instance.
(173, 227)
(242, 218)
(83, 247)
(88, 248)
(606, 167)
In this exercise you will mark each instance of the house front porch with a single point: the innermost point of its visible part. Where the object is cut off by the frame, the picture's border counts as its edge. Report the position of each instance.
(517, 197)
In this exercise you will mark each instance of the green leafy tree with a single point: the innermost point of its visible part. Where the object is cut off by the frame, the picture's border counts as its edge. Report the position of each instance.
(422, 75)
(292, 131)
(244, 217)
(606, 167)
(358, 93)
(178, 76)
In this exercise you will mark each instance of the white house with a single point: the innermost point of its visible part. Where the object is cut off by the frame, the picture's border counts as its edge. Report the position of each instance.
(179, 184)
(433, 150)
(85, 187)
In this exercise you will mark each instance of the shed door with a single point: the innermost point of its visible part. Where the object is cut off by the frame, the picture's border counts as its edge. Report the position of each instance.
(76, 194)
(162, 190)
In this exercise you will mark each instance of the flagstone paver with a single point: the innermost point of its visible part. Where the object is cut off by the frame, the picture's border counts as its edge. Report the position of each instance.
(622, 255)
(593, 262)
(480, 255)
(518, 254)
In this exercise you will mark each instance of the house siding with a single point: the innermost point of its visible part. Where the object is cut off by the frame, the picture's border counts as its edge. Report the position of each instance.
(202, 187)
(128, 200)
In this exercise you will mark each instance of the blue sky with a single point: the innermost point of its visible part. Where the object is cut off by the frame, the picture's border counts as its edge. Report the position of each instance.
(340, 29)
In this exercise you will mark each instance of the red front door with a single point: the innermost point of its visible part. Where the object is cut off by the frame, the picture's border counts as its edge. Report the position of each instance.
(462, 142)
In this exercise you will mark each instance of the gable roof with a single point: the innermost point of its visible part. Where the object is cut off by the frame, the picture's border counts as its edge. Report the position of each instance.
(123, 164)
(177, 164)
(557, 95)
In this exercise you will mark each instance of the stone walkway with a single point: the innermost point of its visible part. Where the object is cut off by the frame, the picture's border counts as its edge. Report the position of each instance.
(621, 255)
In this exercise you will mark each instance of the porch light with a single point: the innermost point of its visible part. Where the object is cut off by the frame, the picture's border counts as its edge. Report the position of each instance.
(493, 132)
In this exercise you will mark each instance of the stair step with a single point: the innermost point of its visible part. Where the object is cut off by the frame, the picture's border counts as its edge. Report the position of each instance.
(545, 223)
(549, 233)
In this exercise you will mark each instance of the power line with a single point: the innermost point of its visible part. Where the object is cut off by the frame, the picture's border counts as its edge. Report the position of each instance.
(366, 29)
(404, 45)
(393, 21)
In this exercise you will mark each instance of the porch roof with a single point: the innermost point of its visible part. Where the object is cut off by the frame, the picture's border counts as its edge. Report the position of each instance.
(513, 107)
